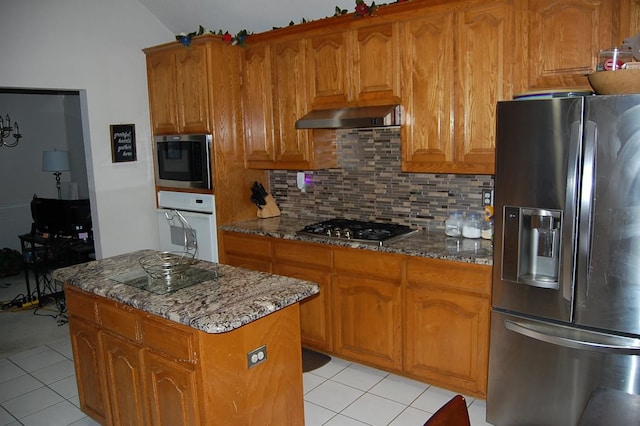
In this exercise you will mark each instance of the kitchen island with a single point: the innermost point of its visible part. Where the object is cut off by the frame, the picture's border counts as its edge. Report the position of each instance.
(224, 351)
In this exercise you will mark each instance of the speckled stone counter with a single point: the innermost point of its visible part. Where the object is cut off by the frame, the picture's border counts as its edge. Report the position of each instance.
(422, 244)
(238, 297)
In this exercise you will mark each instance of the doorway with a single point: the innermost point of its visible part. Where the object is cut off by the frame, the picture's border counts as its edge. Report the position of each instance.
(48, 120)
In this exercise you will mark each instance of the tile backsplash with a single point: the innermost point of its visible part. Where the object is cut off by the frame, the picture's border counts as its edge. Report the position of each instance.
(369, 185)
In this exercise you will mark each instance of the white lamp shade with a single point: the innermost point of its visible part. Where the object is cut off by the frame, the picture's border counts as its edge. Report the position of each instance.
(55, 161)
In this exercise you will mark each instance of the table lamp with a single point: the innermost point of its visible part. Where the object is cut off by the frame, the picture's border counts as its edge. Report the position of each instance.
(56, 162)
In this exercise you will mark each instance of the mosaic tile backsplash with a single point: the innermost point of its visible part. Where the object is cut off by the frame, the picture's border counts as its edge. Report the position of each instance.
(369, 185)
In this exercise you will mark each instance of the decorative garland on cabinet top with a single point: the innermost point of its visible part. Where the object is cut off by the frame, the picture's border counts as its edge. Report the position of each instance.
(361, 9)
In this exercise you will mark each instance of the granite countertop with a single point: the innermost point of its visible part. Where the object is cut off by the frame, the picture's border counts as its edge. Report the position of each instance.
(430, 244)
(237, 297)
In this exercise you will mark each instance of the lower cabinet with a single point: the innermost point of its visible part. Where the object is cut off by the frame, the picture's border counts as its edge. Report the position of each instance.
(424, 318)
(366, 305)
(310, 262)
(134, 368)
(172, 391)
(89, 365)
(447, 313)
(123, 362)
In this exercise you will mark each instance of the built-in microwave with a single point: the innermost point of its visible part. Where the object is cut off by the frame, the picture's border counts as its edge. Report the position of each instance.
(183, 161)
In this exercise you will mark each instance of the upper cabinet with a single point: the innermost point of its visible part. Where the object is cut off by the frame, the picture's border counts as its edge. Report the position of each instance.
(447, 62)
(457, 63)
(376, 64)
(328, 76)
(274, 98)
(178, 88)
(564, 37)
(258, 112)
(355, 67)
(289, 103)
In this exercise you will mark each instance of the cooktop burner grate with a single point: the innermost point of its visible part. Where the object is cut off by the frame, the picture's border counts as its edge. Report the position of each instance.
(357, 231)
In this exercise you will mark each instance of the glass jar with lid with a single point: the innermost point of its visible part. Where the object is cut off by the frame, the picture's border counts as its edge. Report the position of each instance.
(487, 229)
(453, 224)
(472, 225)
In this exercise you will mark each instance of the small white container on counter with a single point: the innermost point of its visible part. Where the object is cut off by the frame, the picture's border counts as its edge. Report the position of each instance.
(472, 226)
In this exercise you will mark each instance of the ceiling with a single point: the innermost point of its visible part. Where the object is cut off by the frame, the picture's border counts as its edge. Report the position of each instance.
(255, 16)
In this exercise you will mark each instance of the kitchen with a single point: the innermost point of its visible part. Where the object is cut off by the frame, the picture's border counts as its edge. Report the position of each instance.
(111, 218)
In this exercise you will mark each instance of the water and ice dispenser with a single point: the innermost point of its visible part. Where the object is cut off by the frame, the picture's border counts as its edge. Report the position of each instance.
(531, 246)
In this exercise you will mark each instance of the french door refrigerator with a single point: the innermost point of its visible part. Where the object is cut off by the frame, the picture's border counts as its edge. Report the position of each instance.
(565, 321)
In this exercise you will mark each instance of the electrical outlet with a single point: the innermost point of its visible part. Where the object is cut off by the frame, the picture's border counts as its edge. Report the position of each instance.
(257, 356)
(487, 197)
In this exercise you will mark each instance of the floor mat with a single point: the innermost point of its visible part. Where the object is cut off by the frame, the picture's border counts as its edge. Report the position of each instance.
(312, 360)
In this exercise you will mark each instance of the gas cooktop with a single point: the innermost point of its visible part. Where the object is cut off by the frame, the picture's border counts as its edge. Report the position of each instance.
(357, 231)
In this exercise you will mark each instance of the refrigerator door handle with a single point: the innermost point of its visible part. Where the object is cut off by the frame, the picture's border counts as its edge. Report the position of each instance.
(575, 338)
(569, 216)
(586, 199)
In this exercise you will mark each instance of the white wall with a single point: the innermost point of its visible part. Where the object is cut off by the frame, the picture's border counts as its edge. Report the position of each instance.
(94, 46)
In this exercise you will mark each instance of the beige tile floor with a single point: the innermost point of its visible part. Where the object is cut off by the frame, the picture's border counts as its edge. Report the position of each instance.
(37, 387)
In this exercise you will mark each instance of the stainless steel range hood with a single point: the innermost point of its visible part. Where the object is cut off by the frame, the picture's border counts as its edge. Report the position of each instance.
(351, 118)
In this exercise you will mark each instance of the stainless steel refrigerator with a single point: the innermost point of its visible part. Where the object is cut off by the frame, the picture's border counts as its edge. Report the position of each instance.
(565, 322)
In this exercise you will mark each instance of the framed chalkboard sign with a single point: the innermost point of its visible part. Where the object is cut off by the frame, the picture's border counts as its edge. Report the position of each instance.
(123, 142)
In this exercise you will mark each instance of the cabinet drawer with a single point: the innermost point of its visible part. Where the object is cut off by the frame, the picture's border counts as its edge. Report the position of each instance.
(455, 275)
(120, 320)
(367, 262)
(305, 253)
(163, 336)
(247, 245)
(79, 304)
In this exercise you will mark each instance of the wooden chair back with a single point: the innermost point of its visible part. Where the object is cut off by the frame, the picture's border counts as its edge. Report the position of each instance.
(453, 413)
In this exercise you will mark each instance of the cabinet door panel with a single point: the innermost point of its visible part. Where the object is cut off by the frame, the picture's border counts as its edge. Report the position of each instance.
(377, 64)
(447, 338)
(367, 320)
(315, 312)
(427, 92)
(327, 71)
(124, 376)
(192, 89)
(89, 365)
(173, 392)
(258, 118)
(289, 103)
(484, 78)
(163, 101)
(564, 37)
(247, 251)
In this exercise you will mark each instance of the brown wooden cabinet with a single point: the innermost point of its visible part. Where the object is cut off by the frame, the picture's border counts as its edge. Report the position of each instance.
(136, 368)
(309, 262)
(288, 79)
(457, 63)
(198, 90)
(446, 315)
(425, 318)
(274, 98)
(124, 372)
(354, 67)
(257, 106)
(328, 71)
(564, 38)
(247, 251)
(177, 80)
(376, 60)
(172, 390)
(367, 307)
(89, 366)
